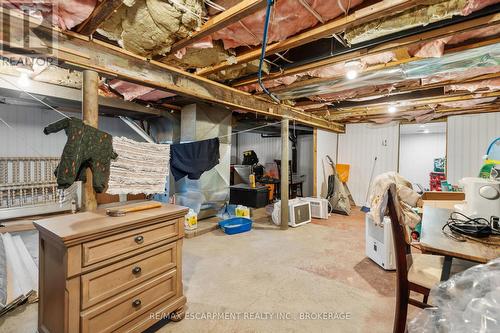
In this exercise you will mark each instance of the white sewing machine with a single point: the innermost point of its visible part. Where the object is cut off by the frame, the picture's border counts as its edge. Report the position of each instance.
(482, 197)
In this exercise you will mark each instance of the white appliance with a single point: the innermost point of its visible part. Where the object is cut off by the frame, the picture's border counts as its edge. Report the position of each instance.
(299, 212)
(482, 197)
(319, 207)
(379, 245)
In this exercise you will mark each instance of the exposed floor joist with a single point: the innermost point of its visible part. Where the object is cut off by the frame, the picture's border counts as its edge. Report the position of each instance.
(381, 109)
(395, 46)
(229, 16)
(394, 93)
(326, 81)
(100, 14)
(385, 7)
(78, 51)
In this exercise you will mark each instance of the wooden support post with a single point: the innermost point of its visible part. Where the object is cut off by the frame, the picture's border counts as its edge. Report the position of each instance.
(315, 162)
(90, 115)
(285, 147)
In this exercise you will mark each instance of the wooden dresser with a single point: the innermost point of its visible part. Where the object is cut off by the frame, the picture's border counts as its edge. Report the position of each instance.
(110, 274)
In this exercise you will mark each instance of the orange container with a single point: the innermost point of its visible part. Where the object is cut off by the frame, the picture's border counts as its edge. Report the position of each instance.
(343, 171)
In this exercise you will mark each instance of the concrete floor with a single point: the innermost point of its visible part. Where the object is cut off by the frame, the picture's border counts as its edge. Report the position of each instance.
(319, 269)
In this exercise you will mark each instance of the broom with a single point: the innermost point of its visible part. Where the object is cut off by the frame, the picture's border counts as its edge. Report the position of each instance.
(366, 208)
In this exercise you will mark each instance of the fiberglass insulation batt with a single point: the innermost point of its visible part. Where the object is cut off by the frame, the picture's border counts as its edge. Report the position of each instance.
(151, 27)
(419, 16)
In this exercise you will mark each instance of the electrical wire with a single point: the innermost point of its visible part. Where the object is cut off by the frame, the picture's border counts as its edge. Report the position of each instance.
(214, 5)
(251, 129)
(462, 226)
(270, 4)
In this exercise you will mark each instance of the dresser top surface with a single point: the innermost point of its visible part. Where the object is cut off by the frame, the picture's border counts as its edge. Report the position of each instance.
(71, 227)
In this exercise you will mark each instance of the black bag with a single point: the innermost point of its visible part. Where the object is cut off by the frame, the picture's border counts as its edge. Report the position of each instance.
(250, 158)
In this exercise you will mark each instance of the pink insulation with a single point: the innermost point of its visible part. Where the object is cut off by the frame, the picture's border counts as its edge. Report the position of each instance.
(204, 43)
(475, 5)
(286, 80)
(65, 14)
(353, 93)
(131, 91)
(288, 18)
(469, 103)
(436, 47)
(489, 85)
(463, 75)
(330, 71)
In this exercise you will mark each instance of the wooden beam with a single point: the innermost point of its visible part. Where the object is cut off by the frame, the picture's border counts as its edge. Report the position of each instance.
(90, 115)
(398, 46)
(382, 8)
(284, 173)
(234, 14)
(100, 14)
(76, 51)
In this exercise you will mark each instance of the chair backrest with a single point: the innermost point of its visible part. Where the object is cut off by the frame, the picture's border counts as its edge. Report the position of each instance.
(401, 246)
(278, 164)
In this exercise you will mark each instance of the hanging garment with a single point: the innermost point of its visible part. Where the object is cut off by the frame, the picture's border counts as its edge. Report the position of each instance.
(194, 158)
(407, 198)
(86, 147)
(140, 167)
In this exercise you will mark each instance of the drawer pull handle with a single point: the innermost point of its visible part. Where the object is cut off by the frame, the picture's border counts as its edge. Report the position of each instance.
(139, 239)
(136, 303)
(136, 270)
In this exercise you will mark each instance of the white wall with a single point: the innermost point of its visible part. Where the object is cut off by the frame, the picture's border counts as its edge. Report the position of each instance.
(269, 149)
(468, 139)
(305, 155)
(417, 153)
(326, 145)
(26, 138)
(359, 146)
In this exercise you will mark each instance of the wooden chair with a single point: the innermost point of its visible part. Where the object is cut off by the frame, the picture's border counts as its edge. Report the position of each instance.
(293, 187)
(415, 272)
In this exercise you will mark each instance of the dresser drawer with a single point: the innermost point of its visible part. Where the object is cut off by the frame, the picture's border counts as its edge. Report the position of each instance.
(111, 280)
(112, 246)
(109, 316)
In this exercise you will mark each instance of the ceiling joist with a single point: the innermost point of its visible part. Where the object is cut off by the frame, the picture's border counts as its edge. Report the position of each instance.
(75, 50)
(100, 14)
(408, 106)
(382, 8)
(234, 14)
(399, 46)
(374, 68)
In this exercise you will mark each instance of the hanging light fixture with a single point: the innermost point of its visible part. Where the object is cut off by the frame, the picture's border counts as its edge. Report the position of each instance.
(23, 80)
(352, 69)
(392, 109)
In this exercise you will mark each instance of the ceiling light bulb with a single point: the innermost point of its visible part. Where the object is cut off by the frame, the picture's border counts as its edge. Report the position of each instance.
(391, 109)
(422, 126)
(24, 79)
(426, 131)
(351, 74)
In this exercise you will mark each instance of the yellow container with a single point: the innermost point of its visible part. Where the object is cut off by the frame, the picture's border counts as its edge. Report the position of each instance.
(343, 172)
(242, 211)
(191, 220)
(251, 179)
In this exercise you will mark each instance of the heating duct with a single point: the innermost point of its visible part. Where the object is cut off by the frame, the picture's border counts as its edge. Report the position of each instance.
(208, 194)
(461, 65)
